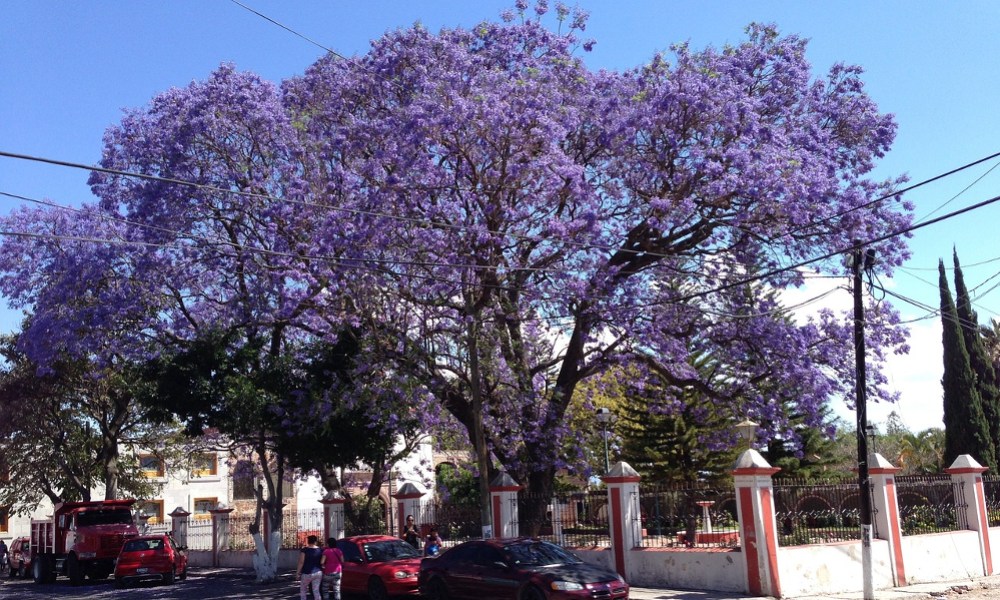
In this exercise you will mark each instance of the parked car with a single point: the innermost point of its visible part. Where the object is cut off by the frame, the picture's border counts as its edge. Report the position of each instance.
(379, 565)
(516, 569)
(19, 557)
(150, 558)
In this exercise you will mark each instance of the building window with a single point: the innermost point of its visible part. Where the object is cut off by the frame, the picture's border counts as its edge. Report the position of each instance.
(202, 506)
(152, 509)
(151, 466)
(205, 465)
(243, 481)
(4, 519)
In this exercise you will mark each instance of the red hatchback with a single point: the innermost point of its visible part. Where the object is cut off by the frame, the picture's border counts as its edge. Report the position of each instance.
(150, 558)
(19, 557)
(379, 566)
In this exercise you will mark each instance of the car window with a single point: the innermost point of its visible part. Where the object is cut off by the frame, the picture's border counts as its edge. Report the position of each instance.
(386, 550)
(351, 551)
(538, 553)
(487, 556)
(136, 546)
(462, 553)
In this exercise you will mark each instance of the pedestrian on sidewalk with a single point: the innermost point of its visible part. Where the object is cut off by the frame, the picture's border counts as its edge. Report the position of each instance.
(309, 571)
(333, 564)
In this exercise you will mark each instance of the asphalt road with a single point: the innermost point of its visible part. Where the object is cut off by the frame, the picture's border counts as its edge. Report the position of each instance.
(201, 584)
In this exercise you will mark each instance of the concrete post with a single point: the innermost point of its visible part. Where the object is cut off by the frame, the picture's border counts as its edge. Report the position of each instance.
(624, 519)
(758, 530)
(333, 515)
(408, 502)
(965, 470)
(887, 521)
(179, 525)
(560, 514)
(220, 531)
(503, 504)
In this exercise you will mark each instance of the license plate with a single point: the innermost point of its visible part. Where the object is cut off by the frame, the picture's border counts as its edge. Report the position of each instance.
(142, 570)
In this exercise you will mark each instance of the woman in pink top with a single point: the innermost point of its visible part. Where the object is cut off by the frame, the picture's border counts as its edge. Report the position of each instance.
(332, 563)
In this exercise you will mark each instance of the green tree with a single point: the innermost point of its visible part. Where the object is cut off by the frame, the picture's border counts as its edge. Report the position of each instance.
(966, 429)
(979, 359)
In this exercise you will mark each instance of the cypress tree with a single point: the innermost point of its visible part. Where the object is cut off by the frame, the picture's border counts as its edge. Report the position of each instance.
(982, 366)
(966, 430)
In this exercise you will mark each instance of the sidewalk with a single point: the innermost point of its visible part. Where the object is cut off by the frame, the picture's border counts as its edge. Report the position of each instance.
(987, 587)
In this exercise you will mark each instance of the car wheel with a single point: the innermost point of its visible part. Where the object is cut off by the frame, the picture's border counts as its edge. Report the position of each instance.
(184, 573)
(439, 590)
(532, 593)
(119, 583)
(376, 589)
(74, 570)
(170, 576)
(21, 571)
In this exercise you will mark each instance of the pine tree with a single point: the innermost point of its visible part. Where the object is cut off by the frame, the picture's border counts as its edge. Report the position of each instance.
(982, 365)
(673, 444)
(966, 430)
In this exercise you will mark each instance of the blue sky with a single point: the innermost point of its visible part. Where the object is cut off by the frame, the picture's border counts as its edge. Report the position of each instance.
(67, 69)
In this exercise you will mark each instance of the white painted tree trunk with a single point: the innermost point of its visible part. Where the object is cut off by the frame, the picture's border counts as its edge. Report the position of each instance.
(265, 563)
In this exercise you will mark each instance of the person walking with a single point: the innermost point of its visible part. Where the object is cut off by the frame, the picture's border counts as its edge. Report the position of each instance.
(4, 562)
(410, 533)
(309, 571)
(333, 565)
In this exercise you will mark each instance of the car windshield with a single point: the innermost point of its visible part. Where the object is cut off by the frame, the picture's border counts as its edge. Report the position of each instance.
(386, 550)
(89, 518)
(538, 553)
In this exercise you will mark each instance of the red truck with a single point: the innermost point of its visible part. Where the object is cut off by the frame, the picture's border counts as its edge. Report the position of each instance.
(81, 539)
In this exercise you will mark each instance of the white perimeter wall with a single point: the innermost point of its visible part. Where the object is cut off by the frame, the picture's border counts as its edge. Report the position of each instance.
(721, 570)
(944, 556)
(831, 568)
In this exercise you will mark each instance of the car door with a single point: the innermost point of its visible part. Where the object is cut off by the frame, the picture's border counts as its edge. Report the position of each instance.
(496, 580)
(354, 578)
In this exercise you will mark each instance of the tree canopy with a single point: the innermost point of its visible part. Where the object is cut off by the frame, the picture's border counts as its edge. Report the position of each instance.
(503, 221)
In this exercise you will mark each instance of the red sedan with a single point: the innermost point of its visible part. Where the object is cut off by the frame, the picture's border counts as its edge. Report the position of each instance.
(516, 569)
(379, 565)
(150, 558)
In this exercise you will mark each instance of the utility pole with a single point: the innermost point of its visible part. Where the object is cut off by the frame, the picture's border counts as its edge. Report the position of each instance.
(864, 483)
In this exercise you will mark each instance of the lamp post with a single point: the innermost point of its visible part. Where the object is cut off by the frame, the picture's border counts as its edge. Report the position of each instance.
(747, 430)
(605, 418)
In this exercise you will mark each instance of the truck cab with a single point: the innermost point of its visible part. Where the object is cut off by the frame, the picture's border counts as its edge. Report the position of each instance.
(82, 539)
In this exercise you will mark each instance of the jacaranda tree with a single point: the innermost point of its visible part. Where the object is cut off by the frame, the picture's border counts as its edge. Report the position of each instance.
(505, 222)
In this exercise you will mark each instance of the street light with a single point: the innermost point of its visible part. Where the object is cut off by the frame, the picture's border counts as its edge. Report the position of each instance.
(605, 417)
(747, 430)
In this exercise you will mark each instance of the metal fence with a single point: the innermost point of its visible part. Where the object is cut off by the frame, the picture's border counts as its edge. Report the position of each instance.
(817, 512)
(578, 519)
(688, 515)
(991, 489)
(930, 504)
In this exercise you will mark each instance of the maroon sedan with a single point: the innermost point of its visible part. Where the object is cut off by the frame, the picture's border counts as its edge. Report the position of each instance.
(379, 565)
(516, 569)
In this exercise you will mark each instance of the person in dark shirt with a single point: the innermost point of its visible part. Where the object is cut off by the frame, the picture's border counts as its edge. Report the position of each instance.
(410, 533)
(309, 570)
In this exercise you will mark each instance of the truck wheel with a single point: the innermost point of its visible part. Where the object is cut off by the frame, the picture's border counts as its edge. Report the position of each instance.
(74, 570)
(43, 568)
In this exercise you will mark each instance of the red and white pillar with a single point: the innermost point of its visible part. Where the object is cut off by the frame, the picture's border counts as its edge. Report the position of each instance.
(220, 531)
(886, 505)
(333, 515)
(623, 515)
(758, 529)
(503, 506)
(967, 471)
(408, 503)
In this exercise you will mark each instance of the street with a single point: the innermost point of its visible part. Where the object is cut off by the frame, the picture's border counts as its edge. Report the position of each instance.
(201, 584)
